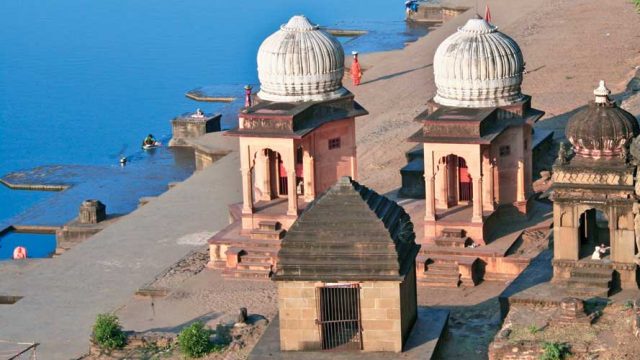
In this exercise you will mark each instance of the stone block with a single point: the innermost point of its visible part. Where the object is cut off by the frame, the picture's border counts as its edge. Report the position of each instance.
(373, 314)
(191, 126)
(92, 212)
(388, 303)
(286, 314)
(396, 314)
(382, 324)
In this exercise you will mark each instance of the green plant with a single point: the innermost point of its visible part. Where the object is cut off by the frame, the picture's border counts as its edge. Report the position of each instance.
(533, 329)
(637, 4)
(554, 351)
(108, 333)
(193, 340)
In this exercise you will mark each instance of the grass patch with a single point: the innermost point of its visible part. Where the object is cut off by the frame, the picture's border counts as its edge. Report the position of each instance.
(554, 351)
(194, 341)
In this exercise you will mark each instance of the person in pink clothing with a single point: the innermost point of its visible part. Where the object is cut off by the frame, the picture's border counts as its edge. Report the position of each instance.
(356, 72)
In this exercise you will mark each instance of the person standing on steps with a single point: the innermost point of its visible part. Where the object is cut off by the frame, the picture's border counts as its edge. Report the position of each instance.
(356, 72)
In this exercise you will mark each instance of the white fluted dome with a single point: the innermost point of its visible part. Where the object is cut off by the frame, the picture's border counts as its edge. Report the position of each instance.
(478, 66)
(300, 62)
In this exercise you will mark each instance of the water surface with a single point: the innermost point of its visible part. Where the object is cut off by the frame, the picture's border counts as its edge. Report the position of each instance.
(82, 82)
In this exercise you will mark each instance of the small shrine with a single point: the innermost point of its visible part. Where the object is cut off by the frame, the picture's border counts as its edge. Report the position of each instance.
(346, 274)
(595, 200)
(297, 138)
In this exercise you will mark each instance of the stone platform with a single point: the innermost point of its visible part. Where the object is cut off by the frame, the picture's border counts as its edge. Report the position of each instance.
(422, 343)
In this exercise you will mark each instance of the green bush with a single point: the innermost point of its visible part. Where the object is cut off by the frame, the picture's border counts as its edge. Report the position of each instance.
(637, 4)
(193, 340)
(108, 333)
(554, 351)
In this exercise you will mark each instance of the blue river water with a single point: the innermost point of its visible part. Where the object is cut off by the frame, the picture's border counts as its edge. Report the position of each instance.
(81, 83)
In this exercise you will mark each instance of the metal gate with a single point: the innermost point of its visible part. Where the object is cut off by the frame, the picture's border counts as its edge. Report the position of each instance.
(338, 320)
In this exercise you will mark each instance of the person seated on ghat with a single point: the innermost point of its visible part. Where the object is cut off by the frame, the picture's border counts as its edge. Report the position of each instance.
(599, 252)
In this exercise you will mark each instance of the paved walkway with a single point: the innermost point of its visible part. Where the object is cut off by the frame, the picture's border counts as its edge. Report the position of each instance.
(62, 296)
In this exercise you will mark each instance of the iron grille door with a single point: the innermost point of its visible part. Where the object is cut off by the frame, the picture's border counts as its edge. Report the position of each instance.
(338, 320)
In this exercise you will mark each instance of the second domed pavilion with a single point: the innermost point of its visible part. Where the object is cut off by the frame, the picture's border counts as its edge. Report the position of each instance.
(594, 199)
(296, 140)
(477, 133)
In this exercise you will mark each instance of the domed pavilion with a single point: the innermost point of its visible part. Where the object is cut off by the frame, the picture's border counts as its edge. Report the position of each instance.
(475, 154)
(594, 200)
(477, 133)
(297, 138)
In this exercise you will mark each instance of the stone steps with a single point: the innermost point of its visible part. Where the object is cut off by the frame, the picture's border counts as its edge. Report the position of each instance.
(441, 275)
(451, 242)
(269, 225)
(499, 277)
(247, 274)
(247, 265)
(252, 257)
(590, 280)
(259, 234)
(587, 293)
(586, 272)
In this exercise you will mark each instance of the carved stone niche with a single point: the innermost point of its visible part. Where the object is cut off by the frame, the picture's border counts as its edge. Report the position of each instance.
(92, 212)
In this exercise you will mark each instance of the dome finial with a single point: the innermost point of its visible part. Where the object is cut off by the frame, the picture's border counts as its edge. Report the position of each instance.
(602, 93)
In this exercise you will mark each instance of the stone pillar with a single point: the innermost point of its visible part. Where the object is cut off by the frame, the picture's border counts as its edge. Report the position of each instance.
(491, 186)
(443, 182)
(521, 187)
(247, 183)
(308, 164)
(266, 178)
(292, 195)
(430, 187)
(247, 191)
(477, 199)
(354, 163)
(92, 212)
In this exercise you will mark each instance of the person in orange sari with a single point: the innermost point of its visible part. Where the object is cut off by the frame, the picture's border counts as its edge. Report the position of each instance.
(356, 72)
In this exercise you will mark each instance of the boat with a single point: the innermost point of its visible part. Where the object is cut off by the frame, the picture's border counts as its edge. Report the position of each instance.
(156, 144)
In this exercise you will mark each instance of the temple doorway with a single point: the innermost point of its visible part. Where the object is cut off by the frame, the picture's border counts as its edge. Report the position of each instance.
(593, 230)
(464, 181)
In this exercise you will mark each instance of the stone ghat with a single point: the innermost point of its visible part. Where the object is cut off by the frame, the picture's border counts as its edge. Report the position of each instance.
(42, 178)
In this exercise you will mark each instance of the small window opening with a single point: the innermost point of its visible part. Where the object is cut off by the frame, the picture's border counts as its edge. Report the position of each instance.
(334, 143)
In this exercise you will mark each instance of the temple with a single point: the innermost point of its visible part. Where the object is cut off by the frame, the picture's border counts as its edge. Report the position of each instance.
(473, 164)
(346, 274)
(297, 138)
(594, 201)
(476, 134)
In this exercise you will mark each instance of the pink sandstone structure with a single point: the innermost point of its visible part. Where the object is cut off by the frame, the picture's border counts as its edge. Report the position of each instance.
(477, 144)
(296, 140)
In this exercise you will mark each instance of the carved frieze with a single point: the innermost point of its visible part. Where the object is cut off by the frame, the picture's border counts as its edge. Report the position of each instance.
(586, 177)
